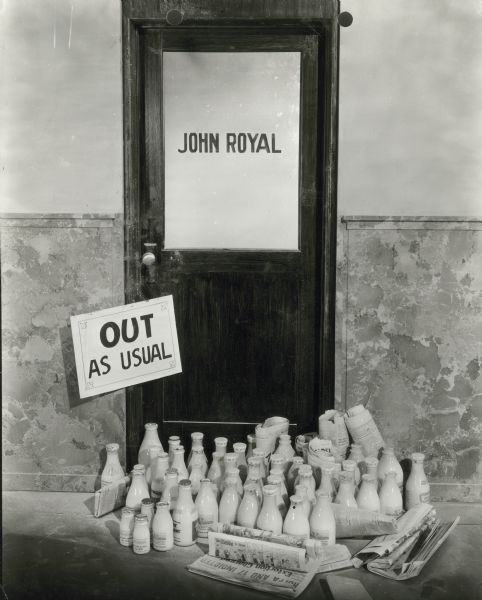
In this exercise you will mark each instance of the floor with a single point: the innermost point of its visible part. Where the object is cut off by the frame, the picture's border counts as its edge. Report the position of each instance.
(53, 548)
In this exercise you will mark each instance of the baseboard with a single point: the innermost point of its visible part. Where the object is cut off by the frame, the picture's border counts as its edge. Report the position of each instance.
(50, 482)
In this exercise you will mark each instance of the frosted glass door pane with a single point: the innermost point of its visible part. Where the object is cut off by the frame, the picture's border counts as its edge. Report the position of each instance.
(231, 146)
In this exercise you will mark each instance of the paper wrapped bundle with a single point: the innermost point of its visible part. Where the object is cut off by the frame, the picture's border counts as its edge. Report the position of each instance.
(331, 426)
(318, 455)
(364, 430)
(356, 522)
(268, 432)
(302, 441)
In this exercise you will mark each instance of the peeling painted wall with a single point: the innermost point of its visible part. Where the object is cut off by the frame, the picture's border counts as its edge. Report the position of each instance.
(409, 340)
(53, 268)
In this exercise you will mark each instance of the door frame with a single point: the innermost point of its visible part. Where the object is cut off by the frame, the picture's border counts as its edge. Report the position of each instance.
(304, 16)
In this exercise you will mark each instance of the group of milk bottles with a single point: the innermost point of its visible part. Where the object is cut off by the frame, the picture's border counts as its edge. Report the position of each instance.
(172, 501)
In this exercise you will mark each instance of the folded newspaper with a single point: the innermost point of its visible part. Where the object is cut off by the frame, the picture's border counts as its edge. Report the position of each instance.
(358, 522)
(110, 497)
(403, 555)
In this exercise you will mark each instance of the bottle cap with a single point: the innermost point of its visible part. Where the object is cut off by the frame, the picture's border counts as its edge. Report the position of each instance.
(250, 487)
(148, 501)
(297, 460)
(112, 447)
(139, 468)
(162, 503)
(171, 472)
(348, 465)
(149, 426)
(230, 457)
(174, 438)
(285, 438)
(295, 499)
(221, 441)
(259, 453)
(270, 490)
(239, 447)
(128, 511)
(179, 450)
(185, 483)
(368, 477)
(277, 459)
(371, 461)
(418, 457)
(251, 437)
(305, 470)
(140, 517)
(197, 435)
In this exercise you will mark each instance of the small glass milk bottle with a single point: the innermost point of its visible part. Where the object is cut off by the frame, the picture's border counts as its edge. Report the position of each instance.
(251, 439)
(154, 452)
(322, 520)
(297, 461)
(170, 492)
(207, 507)
(327, 483)
(269, 517)
(195, 478)
(173, 442)
(113, 470)
(162, 528)
(389, 462)
(371, 463)
(276, 481)
(197, 459)
(249, 506)
(296, 522)
(221, 444)
(185, 516)
(240, 449)
(197, 444)
(148, 506)
(159, 474)
(216, 471)
(417, 489)
(138, 489)
(302, 493)
(141, 538)
(391, 502)
(346, 491)
(350, 466)
(151, 438)
(126, 526)
(228, 505)
(260, 456)
(178, 463)
(368, 496)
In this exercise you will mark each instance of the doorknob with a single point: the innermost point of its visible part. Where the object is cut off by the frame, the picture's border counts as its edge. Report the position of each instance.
(149, 257)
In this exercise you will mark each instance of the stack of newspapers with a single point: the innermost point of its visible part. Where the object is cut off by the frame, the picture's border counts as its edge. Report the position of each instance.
(403, 554)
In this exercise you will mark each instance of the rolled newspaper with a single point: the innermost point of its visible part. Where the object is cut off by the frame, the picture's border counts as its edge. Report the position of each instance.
(268, 432)
(364, 430)
(331, 426)
(356, 522)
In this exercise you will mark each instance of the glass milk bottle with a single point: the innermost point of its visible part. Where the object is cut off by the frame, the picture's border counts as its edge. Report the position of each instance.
(162, 528)
(154, 452)
(229, 460)
(368, 496)
(346, 491)
(148, 508)
(296, 522)
(159, 474)
(185, 516)
(197, 444)
(240, 449)
(172, 442)
(251, 438)
(276, 481)
(228, 505)
(306, 478)
(171, 489)
(113, 470)
(216, 471)
(221, 444)
(197, 458)
(391, 502)
(207, 507)
(195, 478)
(371, 463)
(278, 474)
(417, 489)
(356, 454)
(293, 473)
(285, 448)
(249, 506)
(126, 529)
(350, 466)
(141, 538)
(269, 517)
(327, 483)
(388, 462)
(302, 493)
(322, 521)
(234, 472)
(179, 464)
(151, 438)
(277, 461)
(260, 455)
(138, 489)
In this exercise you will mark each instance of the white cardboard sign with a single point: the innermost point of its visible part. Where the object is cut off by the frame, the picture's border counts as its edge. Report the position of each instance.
(125, 345)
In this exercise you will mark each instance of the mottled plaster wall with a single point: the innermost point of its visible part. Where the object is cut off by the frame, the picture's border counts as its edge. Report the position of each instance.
(53, 268)
(409, 340)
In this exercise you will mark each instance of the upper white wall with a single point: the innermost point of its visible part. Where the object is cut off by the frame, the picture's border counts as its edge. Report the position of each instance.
(61, 106)
(411, 108)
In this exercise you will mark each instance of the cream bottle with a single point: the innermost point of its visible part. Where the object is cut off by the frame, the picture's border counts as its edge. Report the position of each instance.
(276, 481)
(151, 438)
(170, 492)
(147, 508)
(306, 477)
(327, 483)
(195, 478)
(260, 457)
(138, 489)
(154, 452)
(293, 473)
(141, 537)
(185, 516)
(296, 522)
(113, 470)
(269, 517)
(346, 491)
(197, 444)
(249, 507)
(350, 466)
(240, 450)
(197, 458)
(179, 464)
(216, 471)
(159, 474)
(221, 444)
(388, 462)
(322, 521)
(302, 493)
(173, 442)
(228, 505)
(126, 528)
(368, 496)
(207, 507)
(162, 528)
(417, 489)
(391, 502)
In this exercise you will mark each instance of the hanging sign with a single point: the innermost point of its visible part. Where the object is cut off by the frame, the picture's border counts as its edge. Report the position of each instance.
(125, 345)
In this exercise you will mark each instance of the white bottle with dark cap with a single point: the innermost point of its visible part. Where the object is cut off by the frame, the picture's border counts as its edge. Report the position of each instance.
(185, 516)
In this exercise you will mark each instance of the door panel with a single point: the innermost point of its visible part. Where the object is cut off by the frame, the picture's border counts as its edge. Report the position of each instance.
(249, 321)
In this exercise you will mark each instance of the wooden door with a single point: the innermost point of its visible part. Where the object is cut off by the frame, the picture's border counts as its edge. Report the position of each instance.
(255, 323)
